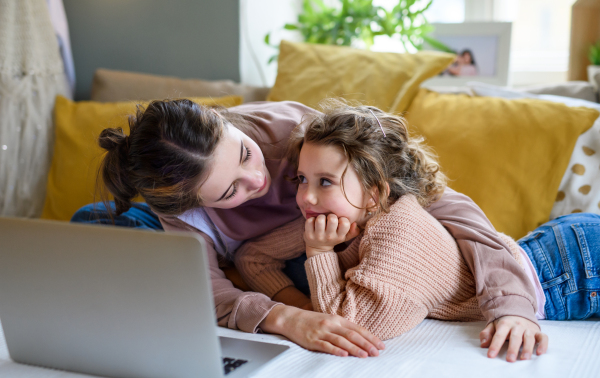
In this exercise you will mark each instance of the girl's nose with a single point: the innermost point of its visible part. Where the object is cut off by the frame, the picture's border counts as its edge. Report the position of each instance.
(309, 197)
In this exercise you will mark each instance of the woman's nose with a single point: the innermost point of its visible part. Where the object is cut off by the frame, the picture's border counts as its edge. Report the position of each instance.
(255, 179)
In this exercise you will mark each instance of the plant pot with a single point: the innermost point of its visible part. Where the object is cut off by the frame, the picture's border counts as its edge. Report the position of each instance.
(594, 76)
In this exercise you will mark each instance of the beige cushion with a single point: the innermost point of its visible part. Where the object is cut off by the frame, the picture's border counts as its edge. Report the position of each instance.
(115, 86)
(574, 89)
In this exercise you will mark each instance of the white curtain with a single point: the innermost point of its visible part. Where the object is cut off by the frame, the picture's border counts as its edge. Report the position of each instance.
(31, 75)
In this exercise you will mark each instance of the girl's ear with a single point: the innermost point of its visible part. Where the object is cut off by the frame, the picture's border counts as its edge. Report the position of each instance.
(373, 203)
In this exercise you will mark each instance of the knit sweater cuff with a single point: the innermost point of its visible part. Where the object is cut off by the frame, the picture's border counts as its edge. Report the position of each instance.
(349, 257)
(325, 280)
(322, 270)
(509, 305)
(252, 309)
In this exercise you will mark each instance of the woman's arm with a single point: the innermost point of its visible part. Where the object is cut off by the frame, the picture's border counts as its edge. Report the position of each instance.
(251, 312)
(502, 286)
(260, 261)
(234, 308)
(504, 292)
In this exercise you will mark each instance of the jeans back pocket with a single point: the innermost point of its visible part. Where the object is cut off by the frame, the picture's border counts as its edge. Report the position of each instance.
(588, 238)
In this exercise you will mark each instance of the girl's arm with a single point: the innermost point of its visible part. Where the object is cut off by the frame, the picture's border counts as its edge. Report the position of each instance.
(250, 312)
(363, 298)
(403, 259)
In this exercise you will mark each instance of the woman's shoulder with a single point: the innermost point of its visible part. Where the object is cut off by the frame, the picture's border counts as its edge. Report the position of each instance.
(278, 109)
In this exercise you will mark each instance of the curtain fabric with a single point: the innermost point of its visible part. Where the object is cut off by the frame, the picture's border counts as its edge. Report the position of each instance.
(31, 75)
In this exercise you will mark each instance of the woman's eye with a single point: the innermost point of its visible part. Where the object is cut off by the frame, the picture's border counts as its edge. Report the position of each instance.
(248, 154)
(301, 179)
(233, 192)
(325, 182)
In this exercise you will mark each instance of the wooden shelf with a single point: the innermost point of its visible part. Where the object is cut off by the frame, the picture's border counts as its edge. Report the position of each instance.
(585, 31)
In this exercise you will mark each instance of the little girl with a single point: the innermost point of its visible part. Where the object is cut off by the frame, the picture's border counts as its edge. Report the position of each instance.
(362, 181)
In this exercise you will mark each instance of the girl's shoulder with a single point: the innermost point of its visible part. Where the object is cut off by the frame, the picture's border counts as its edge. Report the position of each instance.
(406, 215)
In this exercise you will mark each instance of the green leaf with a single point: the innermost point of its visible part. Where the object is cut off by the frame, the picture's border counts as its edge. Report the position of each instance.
(290, 27)
(434, 43)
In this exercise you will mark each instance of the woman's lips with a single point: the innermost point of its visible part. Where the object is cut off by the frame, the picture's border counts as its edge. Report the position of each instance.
(264, 185)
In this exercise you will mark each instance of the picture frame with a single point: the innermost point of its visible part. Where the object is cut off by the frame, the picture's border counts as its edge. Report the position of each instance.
(483, 52)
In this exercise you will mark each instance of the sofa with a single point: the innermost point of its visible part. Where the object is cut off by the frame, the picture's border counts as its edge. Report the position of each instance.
(434, 348)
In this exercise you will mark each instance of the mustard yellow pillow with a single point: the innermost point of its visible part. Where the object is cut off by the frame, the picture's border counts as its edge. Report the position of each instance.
(509, 156)
(72, 178)
(308, 73)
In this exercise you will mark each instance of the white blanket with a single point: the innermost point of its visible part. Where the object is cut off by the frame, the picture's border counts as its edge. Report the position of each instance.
(433, 349)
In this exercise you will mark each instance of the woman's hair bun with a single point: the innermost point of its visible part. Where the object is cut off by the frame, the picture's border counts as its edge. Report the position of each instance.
(111, 139)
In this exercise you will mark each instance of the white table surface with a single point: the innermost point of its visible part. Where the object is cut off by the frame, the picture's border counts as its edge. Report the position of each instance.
(433, 349)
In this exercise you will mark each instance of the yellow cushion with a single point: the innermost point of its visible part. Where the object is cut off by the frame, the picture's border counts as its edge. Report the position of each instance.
(72, 178)
(509, 156)
(308, 73)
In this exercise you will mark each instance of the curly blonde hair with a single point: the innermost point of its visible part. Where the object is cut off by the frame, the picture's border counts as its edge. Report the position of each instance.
(395, 159)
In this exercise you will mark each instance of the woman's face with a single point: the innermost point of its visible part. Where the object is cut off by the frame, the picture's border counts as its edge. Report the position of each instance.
(237, 173)
(320, 170)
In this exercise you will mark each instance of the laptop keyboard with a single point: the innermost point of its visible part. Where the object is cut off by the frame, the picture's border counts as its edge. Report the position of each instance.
(230, 364)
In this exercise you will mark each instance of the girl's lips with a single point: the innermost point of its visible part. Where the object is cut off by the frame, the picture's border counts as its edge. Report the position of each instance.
(312, 214)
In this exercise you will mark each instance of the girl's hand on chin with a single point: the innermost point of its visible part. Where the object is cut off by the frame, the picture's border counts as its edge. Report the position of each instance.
(323, 233)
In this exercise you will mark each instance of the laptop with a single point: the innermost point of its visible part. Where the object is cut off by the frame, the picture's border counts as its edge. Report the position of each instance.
(115, 302)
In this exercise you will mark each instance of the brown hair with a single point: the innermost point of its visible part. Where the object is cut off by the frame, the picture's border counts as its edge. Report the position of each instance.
(396, 159)
(165, 157)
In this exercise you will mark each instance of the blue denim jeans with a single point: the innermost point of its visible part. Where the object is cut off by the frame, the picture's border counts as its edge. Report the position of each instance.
(566, 255)
(140, 216)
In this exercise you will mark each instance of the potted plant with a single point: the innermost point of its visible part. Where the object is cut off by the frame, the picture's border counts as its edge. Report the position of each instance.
(594, 68)
(357, 22)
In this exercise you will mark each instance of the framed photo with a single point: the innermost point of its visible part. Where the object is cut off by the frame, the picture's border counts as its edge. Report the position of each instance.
(482, 52)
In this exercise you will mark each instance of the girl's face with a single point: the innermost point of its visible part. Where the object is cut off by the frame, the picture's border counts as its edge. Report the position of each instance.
(320, 170)
(238, 172)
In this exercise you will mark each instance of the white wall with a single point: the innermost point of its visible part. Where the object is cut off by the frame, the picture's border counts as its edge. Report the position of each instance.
(257, 18)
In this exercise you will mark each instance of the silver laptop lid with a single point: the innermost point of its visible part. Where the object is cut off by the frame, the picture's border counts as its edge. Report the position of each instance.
(107, 301)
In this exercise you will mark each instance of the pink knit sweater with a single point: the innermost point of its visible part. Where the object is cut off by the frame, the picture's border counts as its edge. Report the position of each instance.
(404, 267)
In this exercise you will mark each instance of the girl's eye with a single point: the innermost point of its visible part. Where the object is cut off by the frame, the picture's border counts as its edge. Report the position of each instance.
(325, 182)
(248, 154)
(232, 193)
(301, 179)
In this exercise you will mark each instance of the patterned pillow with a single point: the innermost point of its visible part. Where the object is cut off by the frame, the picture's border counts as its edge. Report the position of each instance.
(579, 190)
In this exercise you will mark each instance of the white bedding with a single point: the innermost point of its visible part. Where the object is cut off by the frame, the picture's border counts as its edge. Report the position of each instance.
(433, 349)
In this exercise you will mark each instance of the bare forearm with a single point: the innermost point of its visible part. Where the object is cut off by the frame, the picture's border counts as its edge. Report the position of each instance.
(291, 296)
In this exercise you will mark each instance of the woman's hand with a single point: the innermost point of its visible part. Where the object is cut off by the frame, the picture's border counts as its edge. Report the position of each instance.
(518, 331)
(322, 332)
(323, 233)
